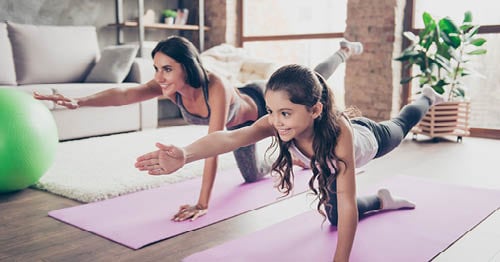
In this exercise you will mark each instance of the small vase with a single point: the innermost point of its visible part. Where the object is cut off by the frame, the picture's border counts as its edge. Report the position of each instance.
(169, 20)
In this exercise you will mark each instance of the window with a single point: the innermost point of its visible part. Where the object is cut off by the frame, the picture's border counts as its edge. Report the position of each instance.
(455, 9)
(300, 32)
(284, 17)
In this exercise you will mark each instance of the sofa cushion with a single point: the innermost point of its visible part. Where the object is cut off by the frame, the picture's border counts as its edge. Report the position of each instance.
(224, 60)
(113, 65)
(141, 71)
(52, 54)
(256, 69)
(76, 90)
(7, 73)
(41, 89)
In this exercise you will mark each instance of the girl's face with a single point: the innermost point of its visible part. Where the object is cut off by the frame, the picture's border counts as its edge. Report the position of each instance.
(291, 121)
(170, 74)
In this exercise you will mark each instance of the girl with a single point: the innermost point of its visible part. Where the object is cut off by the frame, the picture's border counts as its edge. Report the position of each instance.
(304, 121)
(204, 99)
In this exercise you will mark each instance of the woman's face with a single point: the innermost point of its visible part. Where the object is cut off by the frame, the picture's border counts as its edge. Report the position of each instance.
(291, 121)
(170, 74)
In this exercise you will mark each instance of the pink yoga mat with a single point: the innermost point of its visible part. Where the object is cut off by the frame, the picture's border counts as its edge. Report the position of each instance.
(443, 214)
(138, 219)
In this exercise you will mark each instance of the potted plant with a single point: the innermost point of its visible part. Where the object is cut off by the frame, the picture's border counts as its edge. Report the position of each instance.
(169, 16)
(442, 52)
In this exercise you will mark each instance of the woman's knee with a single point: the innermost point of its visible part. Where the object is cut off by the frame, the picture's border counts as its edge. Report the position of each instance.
(333, 220)
(331, 214)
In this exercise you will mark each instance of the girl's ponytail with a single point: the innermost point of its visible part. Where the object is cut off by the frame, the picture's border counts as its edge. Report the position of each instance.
(306, 87)
(326, 133)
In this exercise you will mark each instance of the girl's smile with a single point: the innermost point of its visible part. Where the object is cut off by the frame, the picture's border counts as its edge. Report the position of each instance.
(283, 131)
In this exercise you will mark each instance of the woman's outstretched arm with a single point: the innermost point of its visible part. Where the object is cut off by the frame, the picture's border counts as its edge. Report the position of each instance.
(109, 97)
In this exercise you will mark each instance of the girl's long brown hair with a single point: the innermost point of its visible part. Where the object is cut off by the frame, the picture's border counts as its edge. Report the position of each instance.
(306, 87)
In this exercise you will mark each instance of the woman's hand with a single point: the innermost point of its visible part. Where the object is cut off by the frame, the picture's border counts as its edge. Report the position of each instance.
(58, 99)
(190, 212)
(166, 160)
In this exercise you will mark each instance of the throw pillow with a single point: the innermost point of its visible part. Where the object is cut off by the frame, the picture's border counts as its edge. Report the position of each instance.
(7, 73)
(114, 64)
(52, 54)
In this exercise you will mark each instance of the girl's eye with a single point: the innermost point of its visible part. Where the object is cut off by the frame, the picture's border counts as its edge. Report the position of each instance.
(269, 111)
(285, 114)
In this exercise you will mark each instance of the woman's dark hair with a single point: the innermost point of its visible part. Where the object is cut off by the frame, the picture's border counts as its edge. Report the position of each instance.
(185, 53)
(306, 87)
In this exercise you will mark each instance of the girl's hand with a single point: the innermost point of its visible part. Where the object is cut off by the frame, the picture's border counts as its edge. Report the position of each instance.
(189, 212)
(58, 99)
(166, 160)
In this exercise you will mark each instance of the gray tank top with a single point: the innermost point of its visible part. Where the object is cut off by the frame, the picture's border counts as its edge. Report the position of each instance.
(198, 120)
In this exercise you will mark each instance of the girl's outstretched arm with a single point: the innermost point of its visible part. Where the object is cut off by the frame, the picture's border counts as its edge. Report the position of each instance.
(169, 158)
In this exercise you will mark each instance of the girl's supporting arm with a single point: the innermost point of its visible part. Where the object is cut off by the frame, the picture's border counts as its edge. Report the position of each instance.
(346, 194)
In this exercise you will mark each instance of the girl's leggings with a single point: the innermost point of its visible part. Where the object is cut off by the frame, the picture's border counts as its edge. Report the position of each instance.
(389, 135)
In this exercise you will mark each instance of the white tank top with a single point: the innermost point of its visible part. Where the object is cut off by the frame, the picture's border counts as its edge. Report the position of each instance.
(365, 147)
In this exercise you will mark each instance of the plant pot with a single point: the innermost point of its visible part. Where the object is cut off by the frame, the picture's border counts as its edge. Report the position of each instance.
(446, 119)
(169, 20)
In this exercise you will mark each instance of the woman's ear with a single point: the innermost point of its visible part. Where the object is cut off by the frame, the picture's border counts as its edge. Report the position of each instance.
(317, 109)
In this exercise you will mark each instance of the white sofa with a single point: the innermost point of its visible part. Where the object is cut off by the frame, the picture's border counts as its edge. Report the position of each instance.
(61, 59)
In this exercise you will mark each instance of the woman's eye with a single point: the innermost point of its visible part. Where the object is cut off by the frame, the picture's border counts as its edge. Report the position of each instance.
(166, 69)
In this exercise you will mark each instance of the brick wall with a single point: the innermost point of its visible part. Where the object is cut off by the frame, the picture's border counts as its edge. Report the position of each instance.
(372, 79)
(221, 17)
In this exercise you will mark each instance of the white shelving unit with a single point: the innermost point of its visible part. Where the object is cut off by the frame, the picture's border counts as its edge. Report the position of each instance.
(120, 23)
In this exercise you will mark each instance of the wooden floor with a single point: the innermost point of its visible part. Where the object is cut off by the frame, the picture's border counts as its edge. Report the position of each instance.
(28, 234)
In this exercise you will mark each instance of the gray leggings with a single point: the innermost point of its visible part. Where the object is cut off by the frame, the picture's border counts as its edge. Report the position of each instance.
(389, 135)
(246, 157)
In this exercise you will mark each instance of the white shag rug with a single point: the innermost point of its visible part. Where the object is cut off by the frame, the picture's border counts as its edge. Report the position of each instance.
(99, 168)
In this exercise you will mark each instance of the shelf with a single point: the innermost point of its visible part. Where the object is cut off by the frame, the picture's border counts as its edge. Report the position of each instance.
(160, 26)
(120, 24)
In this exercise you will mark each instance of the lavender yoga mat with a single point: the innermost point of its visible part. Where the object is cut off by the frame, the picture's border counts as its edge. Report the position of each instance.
(443, 214)
(138, 219)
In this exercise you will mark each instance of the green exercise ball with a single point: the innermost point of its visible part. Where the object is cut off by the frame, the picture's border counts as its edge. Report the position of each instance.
(28, 140)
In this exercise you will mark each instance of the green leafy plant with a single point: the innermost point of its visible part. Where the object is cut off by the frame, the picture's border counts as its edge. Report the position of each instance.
(169, 13)
(442, 52)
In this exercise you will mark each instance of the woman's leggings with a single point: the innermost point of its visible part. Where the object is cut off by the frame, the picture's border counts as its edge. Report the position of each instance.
(246, 157)
(389, 135)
